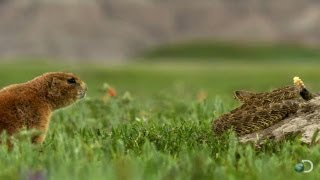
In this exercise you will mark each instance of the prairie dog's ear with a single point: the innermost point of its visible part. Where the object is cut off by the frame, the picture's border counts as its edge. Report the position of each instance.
(53, 82)
(54, 85)
(243, 96)
(54, 89)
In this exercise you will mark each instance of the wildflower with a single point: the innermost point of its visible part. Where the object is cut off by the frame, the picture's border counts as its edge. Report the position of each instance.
(108, 92)
(112, 92)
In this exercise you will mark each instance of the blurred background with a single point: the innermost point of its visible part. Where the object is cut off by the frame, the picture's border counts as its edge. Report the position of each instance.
(209, 47)
(158, 73)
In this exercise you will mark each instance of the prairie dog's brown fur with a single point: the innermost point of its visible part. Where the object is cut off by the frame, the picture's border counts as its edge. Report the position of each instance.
(29, 105)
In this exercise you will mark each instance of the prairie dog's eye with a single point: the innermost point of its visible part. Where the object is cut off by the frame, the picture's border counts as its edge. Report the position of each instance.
(72, 81)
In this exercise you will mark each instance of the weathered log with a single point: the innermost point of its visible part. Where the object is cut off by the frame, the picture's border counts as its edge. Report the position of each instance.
(305, 122)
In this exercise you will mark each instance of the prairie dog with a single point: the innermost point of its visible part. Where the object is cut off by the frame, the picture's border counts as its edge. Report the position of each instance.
(30, 105)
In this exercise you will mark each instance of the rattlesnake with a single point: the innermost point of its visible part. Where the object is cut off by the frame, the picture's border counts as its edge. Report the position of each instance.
(262, 110)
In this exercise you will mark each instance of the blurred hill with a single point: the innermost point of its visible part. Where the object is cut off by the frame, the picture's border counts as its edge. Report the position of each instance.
(99, 29)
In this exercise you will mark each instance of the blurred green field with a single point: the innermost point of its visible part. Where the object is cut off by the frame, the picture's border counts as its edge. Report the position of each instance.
(207, 51)
(164, 131)
(145, 79)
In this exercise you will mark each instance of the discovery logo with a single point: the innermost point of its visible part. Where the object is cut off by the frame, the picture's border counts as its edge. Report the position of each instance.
(299, 167)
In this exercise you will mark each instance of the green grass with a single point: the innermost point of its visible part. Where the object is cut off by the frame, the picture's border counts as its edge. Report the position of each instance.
(230, 51)
(164, 132)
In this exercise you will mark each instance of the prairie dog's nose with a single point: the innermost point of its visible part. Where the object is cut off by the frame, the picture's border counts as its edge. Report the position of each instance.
(83, 86)
(83, 90)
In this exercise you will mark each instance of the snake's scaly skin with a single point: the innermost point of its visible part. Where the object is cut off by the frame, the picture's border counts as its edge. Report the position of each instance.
(262, 110)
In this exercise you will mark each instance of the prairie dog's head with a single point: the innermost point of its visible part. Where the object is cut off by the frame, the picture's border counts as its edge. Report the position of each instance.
(63, 89)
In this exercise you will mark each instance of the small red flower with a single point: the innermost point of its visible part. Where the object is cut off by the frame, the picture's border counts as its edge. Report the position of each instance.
(112, 92)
